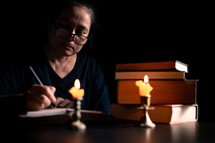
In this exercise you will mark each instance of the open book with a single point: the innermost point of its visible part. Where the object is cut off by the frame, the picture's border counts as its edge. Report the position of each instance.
(62, 116)
(47, 112)
(55, 111)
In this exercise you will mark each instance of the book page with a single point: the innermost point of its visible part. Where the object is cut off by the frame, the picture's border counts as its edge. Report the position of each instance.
(55, 111)
(48, 112)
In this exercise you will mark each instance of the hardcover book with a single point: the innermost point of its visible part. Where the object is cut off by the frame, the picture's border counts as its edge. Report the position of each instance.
(151, 66)
(166, 113)
(123, 75)
(164, 92)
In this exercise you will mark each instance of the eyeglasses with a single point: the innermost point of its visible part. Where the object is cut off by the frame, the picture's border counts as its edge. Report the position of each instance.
(77, 38)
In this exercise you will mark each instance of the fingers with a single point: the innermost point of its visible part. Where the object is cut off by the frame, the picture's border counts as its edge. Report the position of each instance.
(39, 97)
(48, 91)
(58, 101)
(64, 103)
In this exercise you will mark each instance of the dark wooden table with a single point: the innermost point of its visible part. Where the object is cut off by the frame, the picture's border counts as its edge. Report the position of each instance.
(127, 132)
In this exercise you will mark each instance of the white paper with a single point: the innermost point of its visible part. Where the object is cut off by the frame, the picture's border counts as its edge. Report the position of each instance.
(55, 111)
(48, 112)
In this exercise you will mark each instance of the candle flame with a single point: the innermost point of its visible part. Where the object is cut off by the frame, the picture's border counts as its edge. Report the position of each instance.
(77, 84)
(146, 79)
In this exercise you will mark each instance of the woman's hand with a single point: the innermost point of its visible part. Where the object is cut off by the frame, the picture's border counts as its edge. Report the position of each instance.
(61, 102)
(39, 97)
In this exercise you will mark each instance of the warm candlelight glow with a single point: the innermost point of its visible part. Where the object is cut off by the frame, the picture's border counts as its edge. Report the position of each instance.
(144, 87)
(77, 84)
(76, 91)
(146, 79)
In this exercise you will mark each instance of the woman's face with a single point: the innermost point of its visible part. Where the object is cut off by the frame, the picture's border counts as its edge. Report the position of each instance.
(72, 20)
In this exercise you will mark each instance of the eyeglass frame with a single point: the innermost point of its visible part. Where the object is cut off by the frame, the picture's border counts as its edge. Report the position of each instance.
(70, 34)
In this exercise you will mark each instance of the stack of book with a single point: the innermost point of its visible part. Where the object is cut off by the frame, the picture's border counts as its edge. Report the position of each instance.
(173, 96)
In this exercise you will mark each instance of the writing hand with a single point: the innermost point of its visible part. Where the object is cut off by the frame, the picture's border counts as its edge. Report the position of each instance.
(39, 97)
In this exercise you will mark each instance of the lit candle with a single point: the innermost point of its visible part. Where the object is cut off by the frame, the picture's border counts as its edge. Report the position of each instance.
(76, 91)
(144, 87)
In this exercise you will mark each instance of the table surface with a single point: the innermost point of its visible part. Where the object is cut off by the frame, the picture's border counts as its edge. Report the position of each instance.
(122, 132)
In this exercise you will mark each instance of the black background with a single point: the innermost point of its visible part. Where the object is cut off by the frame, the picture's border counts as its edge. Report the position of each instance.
(126, 31)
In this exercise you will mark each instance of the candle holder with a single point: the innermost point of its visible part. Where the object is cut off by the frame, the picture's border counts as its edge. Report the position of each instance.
(145, 120)
(76, 122)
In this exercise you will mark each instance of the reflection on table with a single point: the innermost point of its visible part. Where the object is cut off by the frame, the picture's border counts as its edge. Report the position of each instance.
(124, 132)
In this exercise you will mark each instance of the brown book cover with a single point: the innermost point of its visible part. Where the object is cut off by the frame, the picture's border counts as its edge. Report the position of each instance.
(167, 113)
(164, 92)
(152, 75)
(149, 66)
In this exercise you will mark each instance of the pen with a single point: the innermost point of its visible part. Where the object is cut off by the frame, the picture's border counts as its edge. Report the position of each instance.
(39, 81)
(32, 70)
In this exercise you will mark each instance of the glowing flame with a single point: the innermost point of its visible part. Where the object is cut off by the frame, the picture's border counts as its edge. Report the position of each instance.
(77, 84)
(146, 79)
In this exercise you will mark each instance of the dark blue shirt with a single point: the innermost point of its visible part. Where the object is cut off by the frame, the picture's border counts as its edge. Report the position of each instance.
(18, 78)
